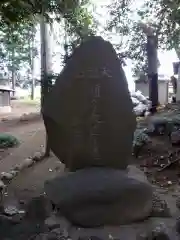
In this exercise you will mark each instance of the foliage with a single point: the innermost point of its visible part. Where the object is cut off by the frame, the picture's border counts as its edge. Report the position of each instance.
(162, 15)
(119, 23)
(7, 141)
(140, 138)
(25, 10)
(14, 48)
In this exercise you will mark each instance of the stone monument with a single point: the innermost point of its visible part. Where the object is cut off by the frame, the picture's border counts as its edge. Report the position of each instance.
(90, 124)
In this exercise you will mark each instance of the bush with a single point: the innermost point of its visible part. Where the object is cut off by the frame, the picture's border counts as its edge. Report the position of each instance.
(7, 141)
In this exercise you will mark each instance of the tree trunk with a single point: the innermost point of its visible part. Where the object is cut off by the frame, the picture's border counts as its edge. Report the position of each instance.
(46, 67)
(32, 72)
(153, 71)
(13, 73)
(178, 78)
(32, 81)
(31, 60)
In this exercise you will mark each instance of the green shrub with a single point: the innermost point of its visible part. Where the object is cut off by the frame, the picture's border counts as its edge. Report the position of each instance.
(7, 141)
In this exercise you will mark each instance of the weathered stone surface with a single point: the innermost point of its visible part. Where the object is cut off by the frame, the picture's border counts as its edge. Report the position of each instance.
(88, 114)
(38, 209)
(136, 173)
(103, 197)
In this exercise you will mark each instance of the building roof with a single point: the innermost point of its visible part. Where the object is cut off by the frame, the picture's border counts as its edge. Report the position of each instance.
(6, 88)
(161, 77)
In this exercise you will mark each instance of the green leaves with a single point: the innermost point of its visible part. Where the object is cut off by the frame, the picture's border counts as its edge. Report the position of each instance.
(22, 11)
(162, 15)
(14, 47)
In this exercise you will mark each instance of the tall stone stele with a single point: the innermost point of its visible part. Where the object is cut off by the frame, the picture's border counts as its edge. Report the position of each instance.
(90, 125)
(89, 115)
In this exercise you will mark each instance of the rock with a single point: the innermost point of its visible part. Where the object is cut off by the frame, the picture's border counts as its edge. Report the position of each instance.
(11, 210)
(28, 162)
(53, 235)
(136, 173)
(43, 236)
(91, 238)
(18, 168)
(14, 173)
(160, 233)
(38, 209)
(159, 124)
(51, 223)
(175, 137)
(142, 236)
(178, 225)
(160, 207)
(89, 115)
(6, 176)
(104, 197)
(37, 157)
(156, 234)
(178, 202)
(2, 185)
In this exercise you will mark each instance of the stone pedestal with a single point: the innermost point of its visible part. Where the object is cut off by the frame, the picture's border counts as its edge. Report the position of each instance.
(95, 197)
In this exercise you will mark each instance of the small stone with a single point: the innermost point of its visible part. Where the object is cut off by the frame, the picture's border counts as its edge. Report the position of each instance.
(175, 137)
(11, 210)
(51, 223)
(18, 168)
(14, 173)
(61, 233)
(142, 236)
(22, 202)
(160, 233)
(169, 183)
(160, 207)
(93, 238)
(178, 202)
(97, 238)
(28, 162)
(2, 185)
(37, 156)
(43, 236)
(6, 176)
(178, 225)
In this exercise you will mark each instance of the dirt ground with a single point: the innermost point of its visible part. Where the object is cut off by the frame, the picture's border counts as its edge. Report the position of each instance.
(29, 183)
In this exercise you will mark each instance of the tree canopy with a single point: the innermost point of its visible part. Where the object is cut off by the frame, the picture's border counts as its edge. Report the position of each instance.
(162, 15)
(16, 11)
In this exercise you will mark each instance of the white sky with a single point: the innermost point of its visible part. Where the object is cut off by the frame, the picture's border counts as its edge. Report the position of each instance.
(166, 58)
